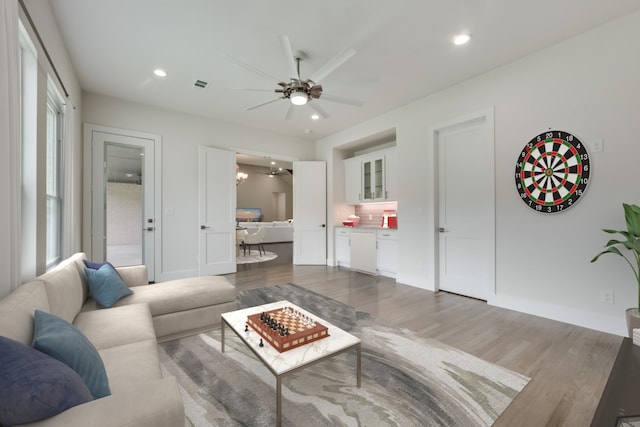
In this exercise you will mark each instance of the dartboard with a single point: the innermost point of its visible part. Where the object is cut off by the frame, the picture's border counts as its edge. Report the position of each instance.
(552, 172)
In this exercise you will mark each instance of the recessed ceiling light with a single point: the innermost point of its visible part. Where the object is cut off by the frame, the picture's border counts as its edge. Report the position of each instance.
(159, 72)
(461, 39)
(273, 163)
(315, 117)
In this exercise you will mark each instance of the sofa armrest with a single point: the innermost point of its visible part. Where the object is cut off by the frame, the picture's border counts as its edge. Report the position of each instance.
(156, 403)
(134, 275)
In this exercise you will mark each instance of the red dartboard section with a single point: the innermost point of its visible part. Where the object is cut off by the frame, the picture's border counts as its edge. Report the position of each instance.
(552, 171)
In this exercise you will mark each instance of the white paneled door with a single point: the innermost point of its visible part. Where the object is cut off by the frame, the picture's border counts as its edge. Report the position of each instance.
(310, 213)
(217, 195)
(466, 206)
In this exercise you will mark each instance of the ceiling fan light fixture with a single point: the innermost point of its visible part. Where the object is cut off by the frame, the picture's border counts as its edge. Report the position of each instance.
(299, 98)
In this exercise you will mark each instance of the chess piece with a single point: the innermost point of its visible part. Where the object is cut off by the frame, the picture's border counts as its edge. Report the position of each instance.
(246, 328)
(261, 343)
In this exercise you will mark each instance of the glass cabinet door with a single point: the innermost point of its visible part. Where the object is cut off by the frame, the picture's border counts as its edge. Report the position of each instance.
(378, 179)
(366, 181)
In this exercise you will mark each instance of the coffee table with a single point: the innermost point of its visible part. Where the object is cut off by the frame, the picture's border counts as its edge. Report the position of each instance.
(282, 364)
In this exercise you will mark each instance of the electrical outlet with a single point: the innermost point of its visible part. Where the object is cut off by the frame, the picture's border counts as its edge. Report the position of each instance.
(606, 296)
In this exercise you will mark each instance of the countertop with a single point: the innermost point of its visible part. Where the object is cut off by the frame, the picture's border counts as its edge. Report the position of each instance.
(366, 228)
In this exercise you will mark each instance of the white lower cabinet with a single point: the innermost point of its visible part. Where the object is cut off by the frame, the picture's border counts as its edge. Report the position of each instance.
(387, 252)
(343, 250)
(363, 250)
(371, 250)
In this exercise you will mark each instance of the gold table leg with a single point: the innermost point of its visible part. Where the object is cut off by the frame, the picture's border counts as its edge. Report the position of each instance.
(222, 322)
(278, 401)
(359, 363)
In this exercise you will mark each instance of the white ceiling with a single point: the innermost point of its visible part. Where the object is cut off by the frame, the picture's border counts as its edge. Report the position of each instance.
(404, 50)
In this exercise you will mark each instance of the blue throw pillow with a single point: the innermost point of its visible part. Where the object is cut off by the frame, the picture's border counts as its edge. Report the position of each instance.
(63, 341)
(95, 265)
(105, 285)
(35, 386)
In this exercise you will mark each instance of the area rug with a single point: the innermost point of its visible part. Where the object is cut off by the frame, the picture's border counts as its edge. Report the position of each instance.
(406, 380)
(254, 256)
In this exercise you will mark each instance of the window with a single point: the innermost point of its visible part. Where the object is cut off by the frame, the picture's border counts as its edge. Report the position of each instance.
(54, 180)
(42, 199)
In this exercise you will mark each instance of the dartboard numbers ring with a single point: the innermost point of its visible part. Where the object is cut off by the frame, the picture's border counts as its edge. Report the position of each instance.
(552, 171)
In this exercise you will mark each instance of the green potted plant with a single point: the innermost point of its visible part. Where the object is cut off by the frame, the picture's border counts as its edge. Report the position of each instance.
(631, 243)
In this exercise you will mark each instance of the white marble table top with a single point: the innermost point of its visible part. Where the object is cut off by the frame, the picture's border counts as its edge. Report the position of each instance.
(281, 363)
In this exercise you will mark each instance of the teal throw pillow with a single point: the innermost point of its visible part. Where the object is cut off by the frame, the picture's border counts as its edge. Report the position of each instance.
(63, 341)
(105, 285)
(34, 385)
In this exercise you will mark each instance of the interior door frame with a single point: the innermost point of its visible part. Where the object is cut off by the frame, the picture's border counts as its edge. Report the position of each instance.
(486, 116)
(88, 192)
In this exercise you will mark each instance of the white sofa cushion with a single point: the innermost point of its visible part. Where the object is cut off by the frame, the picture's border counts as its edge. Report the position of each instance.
(131, 364)
(66, 287)
(177, 295)
(17, 308)
(117, 326)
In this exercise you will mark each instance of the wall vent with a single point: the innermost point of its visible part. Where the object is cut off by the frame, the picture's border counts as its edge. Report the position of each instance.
(200, 84)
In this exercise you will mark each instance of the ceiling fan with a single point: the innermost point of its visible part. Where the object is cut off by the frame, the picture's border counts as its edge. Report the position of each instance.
(297, 90)
(276, 171)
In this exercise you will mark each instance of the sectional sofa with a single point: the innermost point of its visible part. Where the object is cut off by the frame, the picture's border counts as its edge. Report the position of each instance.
(122, 341)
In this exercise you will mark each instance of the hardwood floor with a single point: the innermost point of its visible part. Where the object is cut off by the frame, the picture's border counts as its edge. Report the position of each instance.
(568, 365)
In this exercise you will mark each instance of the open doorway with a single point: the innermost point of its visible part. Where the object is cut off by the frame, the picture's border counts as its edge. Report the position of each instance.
(264, 199)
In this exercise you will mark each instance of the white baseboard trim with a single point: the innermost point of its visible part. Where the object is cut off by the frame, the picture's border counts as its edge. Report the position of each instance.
(610, 324)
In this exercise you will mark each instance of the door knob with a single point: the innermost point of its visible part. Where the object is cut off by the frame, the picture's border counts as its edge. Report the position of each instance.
(204, 227)
(442, 230)
(149, 229)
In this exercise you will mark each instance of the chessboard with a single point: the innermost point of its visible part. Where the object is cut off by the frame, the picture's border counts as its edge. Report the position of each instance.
(286, 328)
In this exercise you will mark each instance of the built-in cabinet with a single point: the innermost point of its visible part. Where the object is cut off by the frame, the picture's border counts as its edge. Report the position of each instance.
(369, 250)
(363, 250)
(387, 252)
(371, 177)
(343, 248)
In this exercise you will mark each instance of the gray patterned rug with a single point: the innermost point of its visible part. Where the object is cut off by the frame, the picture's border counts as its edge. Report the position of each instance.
(406, 380)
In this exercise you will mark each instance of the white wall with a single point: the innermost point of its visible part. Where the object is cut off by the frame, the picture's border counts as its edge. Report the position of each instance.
(9, 147)
(182, 134)
(258, 192)
(587, 85)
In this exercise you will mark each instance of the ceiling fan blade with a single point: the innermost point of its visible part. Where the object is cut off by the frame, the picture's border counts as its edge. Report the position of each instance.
(290, 111)
(331, 66)
(319, 110)
(251, 68)
(264, 103)
(341, 100)
(252, 90)
(288, 54)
